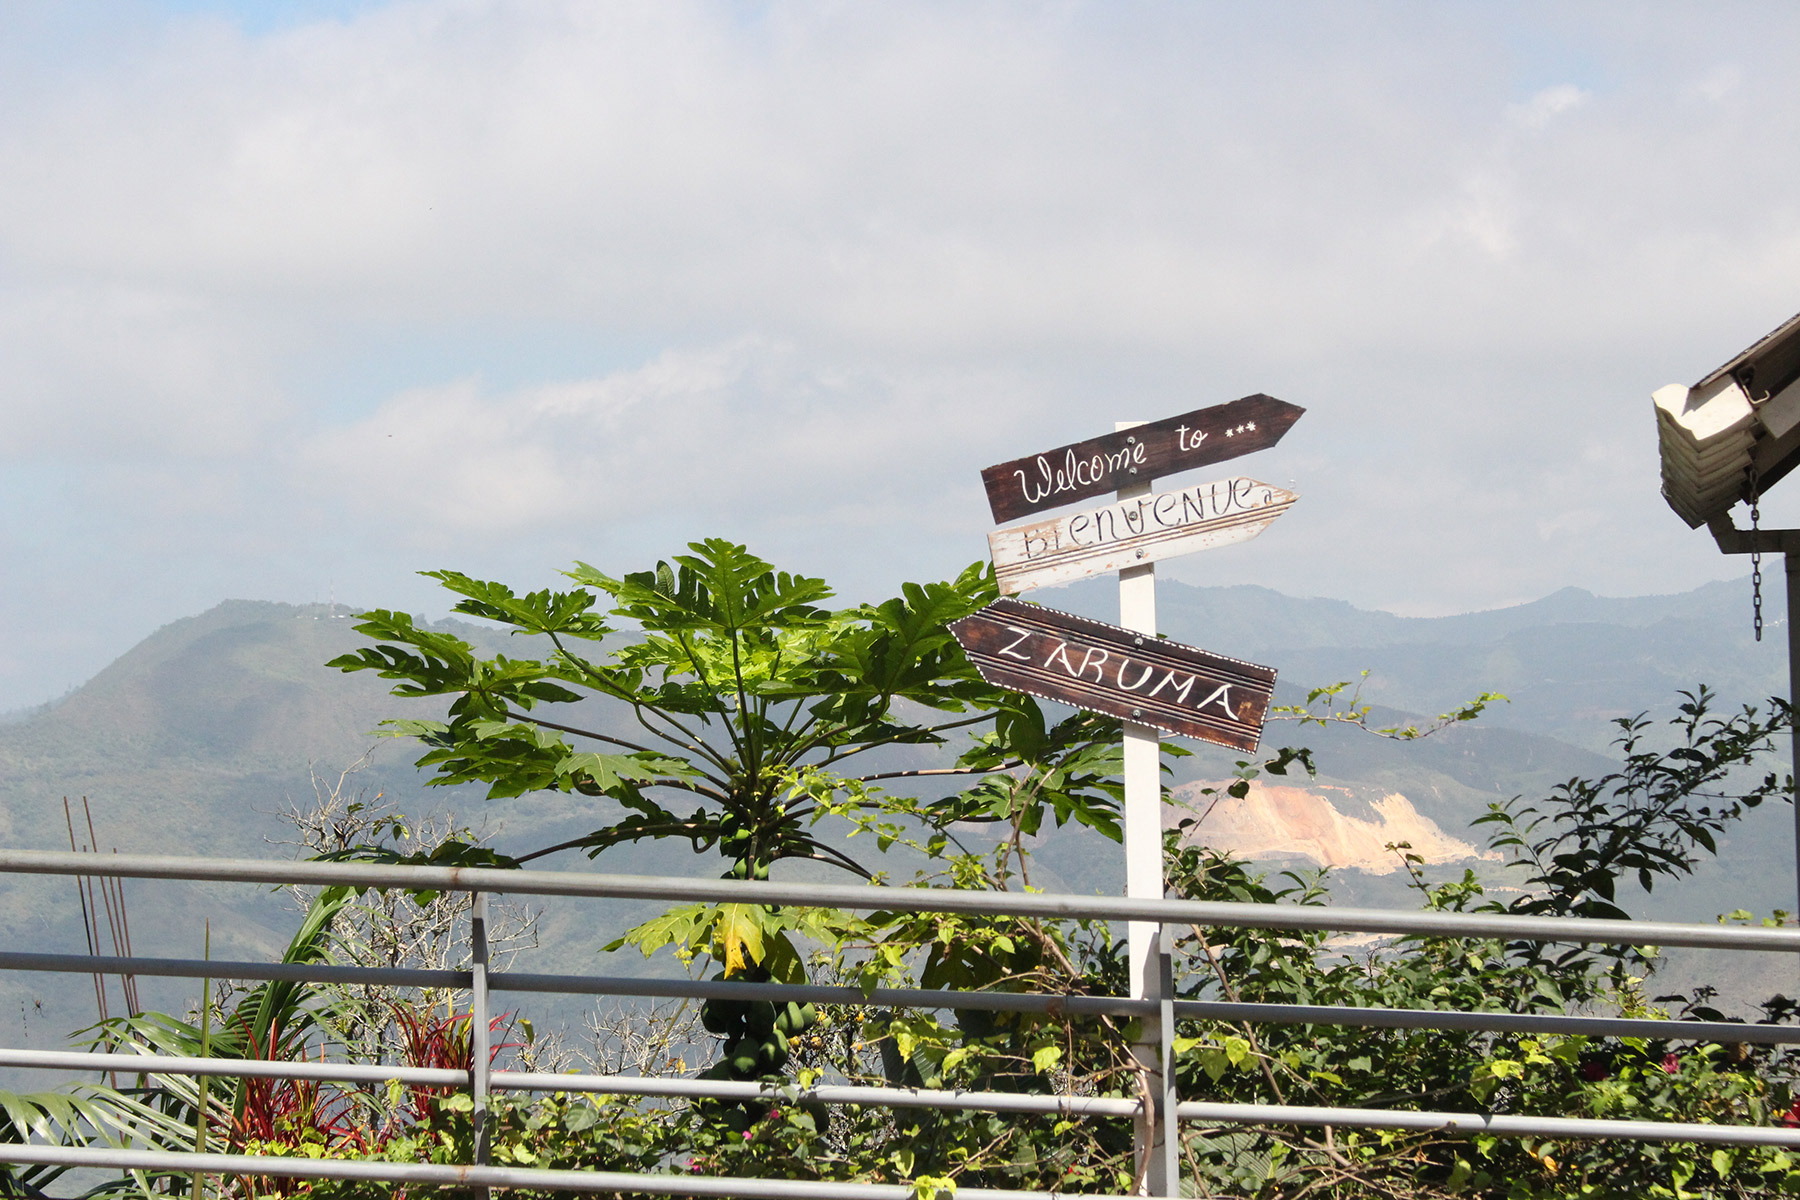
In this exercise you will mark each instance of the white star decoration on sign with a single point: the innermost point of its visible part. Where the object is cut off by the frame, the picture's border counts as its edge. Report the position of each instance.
(1247, 427)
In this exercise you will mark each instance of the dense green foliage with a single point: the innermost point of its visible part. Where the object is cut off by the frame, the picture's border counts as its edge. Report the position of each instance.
(1569, 853)
(749, 702)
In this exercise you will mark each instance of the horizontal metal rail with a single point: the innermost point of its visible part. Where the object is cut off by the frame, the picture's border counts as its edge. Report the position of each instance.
(251, 1068)
(1490, 1022)
(1329, 918)
(936, 1098)
(655, 1183)
(611, 1085)
(1502, 1124)
(938, 998)
(829, 1093)
(212, 968)
(1460, 1124)
(578, 985)
(805, 993)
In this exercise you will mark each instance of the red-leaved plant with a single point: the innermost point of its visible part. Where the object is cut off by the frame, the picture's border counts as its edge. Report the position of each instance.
(429, 1040)
(277, 1115)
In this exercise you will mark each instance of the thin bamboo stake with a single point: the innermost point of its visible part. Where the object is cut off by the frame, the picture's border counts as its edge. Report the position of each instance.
(87, 924)
(131, 983)
(106, 896)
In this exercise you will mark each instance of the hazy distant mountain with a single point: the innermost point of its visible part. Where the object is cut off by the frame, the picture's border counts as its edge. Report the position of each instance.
(194, 740)
(193, 743)
(1570, 662)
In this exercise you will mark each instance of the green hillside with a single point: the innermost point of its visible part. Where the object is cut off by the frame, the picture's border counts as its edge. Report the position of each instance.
(1571, 663)
(196, 740)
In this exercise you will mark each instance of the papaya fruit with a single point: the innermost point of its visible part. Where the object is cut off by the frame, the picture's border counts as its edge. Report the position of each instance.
(717, 1018)
(772, 1055)
(759, 1017)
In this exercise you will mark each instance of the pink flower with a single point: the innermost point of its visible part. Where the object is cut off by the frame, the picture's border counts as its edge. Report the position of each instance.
(1671, 1063)
(746, 1135)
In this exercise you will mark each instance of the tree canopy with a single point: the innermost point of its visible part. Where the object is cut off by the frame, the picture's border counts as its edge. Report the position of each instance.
(748, 706)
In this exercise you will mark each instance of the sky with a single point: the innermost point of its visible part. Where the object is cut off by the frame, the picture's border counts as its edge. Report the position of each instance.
(297, 300)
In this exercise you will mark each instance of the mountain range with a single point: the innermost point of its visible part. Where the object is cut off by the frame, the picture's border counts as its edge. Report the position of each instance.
(197, 741)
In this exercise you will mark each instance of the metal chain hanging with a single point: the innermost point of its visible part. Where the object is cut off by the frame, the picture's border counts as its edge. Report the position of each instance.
(1756, 620)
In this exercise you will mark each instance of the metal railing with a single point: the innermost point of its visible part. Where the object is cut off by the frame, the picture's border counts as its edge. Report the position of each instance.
(1158, 1015)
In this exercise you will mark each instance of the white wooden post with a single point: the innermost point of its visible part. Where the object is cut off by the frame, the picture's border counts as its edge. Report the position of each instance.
(1143, 855)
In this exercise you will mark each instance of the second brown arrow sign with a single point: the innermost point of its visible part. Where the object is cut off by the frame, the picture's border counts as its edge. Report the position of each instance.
(1117, 673)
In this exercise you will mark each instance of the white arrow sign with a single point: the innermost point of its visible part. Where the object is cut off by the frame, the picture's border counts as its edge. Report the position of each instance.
(1134, 532)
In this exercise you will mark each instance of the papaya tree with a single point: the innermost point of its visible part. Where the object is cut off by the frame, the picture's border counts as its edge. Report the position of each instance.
(718, 701)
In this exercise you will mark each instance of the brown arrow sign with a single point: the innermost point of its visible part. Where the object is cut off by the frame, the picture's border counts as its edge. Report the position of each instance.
(1117, 673)
(1137, 455)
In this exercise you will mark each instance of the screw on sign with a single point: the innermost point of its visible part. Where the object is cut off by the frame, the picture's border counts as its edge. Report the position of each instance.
(1118, 673)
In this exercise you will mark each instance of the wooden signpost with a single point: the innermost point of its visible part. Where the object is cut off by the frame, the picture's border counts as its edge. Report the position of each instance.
(1105, 464)
(1119, 673)
(1134, 532)
(1125, 670)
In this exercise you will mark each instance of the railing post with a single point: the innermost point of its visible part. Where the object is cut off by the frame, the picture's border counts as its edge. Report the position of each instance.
(1793, 638)
(479, 1065)
(1164, 1178)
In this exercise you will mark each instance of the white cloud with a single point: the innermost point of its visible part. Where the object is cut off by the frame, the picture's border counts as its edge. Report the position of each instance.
(111, 370)
(914, 177)
(714, 430)
(811, 267)
(1716, 84)
(1548, 104)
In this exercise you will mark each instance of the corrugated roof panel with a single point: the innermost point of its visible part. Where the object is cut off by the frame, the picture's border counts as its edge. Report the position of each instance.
(1707, 433)
(1774, 360)
(1705, 442)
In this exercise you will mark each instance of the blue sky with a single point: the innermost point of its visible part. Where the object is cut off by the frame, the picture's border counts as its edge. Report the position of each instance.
(298, 299)
(262, 17)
